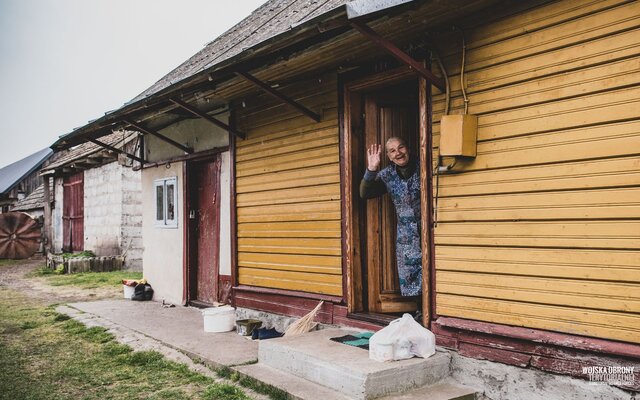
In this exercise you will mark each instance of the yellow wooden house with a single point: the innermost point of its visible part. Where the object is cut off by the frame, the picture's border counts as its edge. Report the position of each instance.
(531, 232)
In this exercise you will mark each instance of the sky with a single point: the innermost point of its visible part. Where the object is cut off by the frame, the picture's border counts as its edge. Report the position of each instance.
(66, 62)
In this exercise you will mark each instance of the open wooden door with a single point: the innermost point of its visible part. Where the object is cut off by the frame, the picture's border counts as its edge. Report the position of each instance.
(204, 231)
(391, 111)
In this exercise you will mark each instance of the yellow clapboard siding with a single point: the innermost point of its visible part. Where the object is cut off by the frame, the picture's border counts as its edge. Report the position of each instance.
(550, 14)
(609, 76)
(301, 159)
(621, 45)
(592, 204)
(605, 265)
(562, 292)
(596, 109)
(306, 265)
(316, 246)
(315, 283)
(542, 228)
(291, 229)
(605, 324)
(332, 264)
(566, 176)
(317, 102)
(285, 145)
(594, 234)
(290, 196)
(328, 210)
(291, 121)
(611, 140)
(553, 37)
(311, 176)
(257, 136)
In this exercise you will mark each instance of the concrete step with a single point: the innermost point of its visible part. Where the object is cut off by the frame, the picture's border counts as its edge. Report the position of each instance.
(444, 390)
(297, 388)
(347, 369)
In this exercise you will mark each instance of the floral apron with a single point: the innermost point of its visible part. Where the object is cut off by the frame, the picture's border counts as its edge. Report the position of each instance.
(405, 194)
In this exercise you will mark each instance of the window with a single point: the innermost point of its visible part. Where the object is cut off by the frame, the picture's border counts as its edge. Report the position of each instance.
(166, 200)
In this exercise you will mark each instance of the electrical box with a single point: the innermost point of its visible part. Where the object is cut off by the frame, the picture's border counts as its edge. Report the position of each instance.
(458, 135)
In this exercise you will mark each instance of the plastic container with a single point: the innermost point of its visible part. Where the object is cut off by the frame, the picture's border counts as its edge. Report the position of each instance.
(128, 291)
(219, 319)
(245, 327)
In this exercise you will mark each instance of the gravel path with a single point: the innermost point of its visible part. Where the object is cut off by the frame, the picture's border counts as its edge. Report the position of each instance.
(15, 276)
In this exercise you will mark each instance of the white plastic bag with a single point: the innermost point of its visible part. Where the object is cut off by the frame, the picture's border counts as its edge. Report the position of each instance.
(403, 338)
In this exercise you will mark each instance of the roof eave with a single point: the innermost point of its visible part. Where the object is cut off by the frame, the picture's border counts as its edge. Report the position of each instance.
(93, 127)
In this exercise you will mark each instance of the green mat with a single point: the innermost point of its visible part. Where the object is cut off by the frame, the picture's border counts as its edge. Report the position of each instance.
(360, 340)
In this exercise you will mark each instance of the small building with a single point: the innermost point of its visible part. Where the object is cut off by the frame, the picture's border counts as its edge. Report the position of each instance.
(95, 200)
(19, 179)
(255, 146)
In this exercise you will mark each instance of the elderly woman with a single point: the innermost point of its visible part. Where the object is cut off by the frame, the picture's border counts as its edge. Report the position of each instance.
(401, 179)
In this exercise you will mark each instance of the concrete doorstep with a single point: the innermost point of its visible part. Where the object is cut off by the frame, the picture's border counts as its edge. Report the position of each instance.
(308, 366)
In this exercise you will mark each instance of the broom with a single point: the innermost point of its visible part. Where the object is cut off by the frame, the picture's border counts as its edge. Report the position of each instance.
(304, 324)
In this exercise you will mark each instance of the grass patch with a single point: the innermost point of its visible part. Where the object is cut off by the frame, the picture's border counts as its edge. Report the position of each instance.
(6, 262)
(87, 280)
(46, 356)
(252, 383)
(224, 392)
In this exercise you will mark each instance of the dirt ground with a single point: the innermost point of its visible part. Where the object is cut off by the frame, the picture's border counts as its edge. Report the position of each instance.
(15, 277)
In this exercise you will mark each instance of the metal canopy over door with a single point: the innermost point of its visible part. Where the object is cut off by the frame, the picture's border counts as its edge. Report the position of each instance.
(204, 228)
(73, 212)
(391, 111)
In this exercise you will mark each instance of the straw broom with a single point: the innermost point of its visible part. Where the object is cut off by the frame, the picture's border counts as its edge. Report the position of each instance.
(304, 324)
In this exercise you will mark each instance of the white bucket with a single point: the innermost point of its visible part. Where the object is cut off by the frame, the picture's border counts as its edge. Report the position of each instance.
(128, 291)
(219, 319)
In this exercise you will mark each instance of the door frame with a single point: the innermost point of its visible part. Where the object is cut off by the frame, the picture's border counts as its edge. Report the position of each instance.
(352, 224)
(190, 239)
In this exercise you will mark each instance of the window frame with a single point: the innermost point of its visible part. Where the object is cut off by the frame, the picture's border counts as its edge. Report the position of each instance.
(165, 222)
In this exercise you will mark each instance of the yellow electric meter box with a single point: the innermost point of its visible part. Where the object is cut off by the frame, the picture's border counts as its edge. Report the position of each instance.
(458, 135)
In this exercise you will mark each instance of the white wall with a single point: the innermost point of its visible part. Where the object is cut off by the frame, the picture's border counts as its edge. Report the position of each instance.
(163, 247)
(113, 213)
(225, 215)
(103, 209)
(56, 217)
(131, 224)
(199, 134)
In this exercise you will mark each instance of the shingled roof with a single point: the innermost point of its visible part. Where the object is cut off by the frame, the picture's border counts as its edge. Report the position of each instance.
(33, 201)
(269, 20)
(116, 139)
(12, 174)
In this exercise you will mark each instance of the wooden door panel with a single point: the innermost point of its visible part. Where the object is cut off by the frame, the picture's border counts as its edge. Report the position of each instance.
(204, 226)
(73, 212)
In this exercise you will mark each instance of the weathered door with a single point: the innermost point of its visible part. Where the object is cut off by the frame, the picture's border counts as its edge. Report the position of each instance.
(204, 227)
(73, 212)
(389, 112)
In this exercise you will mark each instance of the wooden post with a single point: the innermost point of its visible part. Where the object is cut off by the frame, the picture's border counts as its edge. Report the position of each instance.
(425, 202)
(47, 214)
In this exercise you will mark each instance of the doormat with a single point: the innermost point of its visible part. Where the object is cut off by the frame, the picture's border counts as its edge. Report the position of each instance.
(360, 340)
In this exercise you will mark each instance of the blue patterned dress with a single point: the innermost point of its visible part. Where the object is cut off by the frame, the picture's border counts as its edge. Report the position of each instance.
(405, 194)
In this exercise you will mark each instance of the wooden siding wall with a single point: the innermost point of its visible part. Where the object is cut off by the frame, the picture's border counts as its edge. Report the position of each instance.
(288, 191)
(542, 229)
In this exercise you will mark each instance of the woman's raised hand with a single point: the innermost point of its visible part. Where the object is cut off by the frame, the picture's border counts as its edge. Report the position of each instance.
(373, 157)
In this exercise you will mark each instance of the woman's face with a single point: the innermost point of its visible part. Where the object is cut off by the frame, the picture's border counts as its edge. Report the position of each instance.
(397, 152)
